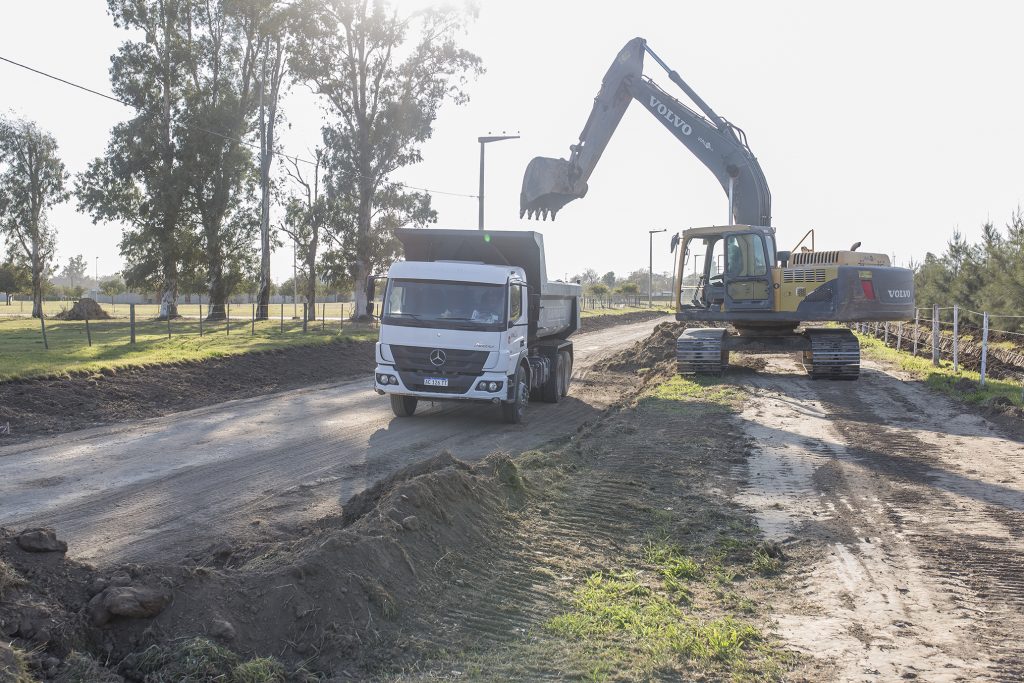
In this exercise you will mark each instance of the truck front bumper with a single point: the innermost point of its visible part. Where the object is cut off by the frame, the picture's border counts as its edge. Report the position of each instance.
(388, 380)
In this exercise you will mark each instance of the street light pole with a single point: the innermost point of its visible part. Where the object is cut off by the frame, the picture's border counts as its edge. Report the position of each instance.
(97, 272)
(483, 140)
(650, 267)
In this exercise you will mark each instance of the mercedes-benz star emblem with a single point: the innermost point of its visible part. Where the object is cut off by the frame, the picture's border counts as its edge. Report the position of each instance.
(438, 358)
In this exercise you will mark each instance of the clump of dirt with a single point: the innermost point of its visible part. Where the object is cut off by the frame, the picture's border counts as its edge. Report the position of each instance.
(650, 353)
(84, 309)
(53, 405)
(348, 592)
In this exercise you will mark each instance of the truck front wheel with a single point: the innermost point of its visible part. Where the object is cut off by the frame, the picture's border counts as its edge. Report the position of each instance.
(403, 406)
(513, 412)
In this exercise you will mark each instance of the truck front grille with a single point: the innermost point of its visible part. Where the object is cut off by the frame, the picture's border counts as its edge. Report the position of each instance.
(456, 361)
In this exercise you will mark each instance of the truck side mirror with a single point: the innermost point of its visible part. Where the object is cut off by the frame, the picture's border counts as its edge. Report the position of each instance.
(783, 257)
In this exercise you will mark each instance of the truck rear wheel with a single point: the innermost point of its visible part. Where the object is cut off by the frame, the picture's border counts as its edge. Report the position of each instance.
(403, 406)
(551, 392)
(566, 371)
(513, 412)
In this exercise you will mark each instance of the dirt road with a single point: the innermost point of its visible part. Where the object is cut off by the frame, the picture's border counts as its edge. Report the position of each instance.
(905, 515)
(248, 468)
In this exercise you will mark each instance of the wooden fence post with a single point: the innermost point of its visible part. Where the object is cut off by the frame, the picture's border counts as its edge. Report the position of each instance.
(935, 335)
(131, 318)
(88, 333)
(253, 332)
(200, 318)
(227, 318)
(984, 347)
(282, 316)
(917, 324)
(323, 316)
(42, 324)
(956, 339)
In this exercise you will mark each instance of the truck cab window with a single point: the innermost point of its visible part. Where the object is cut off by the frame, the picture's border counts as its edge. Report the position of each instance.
(515, 295)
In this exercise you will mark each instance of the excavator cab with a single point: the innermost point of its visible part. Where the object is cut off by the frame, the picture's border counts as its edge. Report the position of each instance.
(730, 269)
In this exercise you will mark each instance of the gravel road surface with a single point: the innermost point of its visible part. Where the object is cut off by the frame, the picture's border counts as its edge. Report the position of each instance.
(161, 488)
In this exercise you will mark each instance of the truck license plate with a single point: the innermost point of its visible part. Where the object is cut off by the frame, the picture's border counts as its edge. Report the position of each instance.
(435, 381)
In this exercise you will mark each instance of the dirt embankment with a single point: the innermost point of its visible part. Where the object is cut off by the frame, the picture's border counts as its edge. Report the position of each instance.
(55, 405)
(449, 570)
(600, 322)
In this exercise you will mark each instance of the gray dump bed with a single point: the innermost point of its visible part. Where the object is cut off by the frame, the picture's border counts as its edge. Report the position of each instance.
(554, 306)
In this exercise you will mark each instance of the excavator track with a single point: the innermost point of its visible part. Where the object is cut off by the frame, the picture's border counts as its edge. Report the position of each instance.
(701, 351)
(834, 354)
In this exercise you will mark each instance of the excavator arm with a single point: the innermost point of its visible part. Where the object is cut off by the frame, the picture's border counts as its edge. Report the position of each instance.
(549, 184)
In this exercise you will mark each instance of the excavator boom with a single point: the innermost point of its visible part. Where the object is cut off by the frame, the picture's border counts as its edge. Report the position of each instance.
(549, 184)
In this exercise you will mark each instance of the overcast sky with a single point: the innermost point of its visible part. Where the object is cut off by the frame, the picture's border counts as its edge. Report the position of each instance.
(891, 123)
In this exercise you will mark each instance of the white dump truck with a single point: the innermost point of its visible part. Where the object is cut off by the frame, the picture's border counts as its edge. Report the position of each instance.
(470, 315)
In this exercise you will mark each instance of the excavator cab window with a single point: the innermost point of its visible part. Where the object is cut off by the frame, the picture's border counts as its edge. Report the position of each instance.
(747, 274)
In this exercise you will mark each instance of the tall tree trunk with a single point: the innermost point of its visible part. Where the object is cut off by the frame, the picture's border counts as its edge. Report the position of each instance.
(215, 265)
(37, 282)
(169, 285)
(311, 280)
(268, 118)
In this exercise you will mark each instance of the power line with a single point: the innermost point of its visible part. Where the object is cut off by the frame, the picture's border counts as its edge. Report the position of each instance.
(295, 159)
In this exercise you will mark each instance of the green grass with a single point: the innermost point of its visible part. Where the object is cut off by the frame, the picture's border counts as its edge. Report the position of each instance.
(22, 353)
(942, 378)
(681, 390)
(619, 605)
(241, 311)
(200, 660)
(591, 312)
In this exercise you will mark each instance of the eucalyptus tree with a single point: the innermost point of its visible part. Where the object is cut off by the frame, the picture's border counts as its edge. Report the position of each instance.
(141, 180)
(32, 180)
(382, 77)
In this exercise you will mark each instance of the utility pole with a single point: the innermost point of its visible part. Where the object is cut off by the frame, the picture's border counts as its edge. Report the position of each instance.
(650, 266)
(97, 273)
(483, 140)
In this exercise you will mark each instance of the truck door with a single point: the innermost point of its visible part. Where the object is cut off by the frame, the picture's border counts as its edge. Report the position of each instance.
(747, 277)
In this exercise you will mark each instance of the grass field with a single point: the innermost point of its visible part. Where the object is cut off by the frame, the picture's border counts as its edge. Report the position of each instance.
(22, 353)
(943, 378)
(591, 312)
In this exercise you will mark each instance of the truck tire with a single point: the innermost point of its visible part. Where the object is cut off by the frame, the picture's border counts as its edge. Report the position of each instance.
(513, 412)
(551, 392)
(403, 406)
(566, 371)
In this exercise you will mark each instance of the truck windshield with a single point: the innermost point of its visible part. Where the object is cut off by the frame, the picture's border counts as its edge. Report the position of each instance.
(435, 303)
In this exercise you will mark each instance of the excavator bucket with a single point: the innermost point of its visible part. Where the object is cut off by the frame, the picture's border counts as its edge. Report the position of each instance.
(547, 188)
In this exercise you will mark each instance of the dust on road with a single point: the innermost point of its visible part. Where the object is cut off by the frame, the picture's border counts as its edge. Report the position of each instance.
(907, 513)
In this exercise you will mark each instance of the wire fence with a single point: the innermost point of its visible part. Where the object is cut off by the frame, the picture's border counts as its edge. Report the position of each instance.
(138, 324)
(611, 302)
(51, 308)
(971, 338)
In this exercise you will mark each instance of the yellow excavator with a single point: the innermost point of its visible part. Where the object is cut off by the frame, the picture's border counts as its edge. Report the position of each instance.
(738, 276)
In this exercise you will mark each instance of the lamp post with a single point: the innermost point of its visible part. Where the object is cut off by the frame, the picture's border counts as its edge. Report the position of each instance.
(97, 273)
(650, 267)
(483, 140)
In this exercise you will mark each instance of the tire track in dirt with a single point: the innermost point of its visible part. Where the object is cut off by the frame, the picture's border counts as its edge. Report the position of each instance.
(920, 508)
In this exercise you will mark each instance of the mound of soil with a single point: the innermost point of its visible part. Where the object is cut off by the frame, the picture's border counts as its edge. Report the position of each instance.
(54, 405)
(331, 600)
(84, 309)
(656, 350)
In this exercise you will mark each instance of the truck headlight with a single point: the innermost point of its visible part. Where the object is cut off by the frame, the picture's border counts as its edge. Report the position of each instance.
(489, 386)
